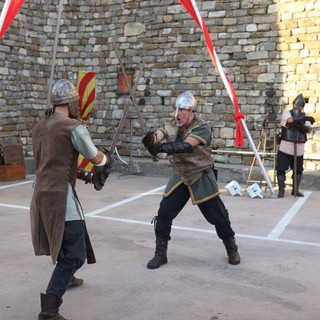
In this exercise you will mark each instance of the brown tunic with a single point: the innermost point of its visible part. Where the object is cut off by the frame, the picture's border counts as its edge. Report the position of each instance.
(56, 165)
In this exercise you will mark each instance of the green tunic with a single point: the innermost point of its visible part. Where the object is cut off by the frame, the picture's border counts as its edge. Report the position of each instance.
(192, 169)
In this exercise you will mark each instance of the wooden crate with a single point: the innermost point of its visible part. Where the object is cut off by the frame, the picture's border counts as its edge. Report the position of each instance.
(12, 172)
(12, 154)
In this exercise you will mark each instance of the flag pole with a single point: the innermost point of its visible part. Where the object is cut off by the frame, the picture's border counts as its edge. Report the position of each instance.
(53, 62)
(189, 5)
(4, 13)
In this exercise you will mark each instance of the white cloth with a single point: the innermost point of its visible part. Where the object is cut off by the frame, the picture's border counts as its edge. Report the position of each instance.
(287, 146)
(82, 142)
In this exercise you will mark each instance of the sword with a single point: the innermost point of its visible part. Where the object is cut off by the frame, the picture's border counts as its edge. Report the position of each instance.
(295, 169)
(145, 128)
(125, 112)
(100, 178)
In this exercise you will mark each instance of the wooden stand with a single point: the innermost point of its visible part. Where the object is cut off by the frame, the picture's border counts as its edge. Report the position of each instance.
(12, 172)
(12, 167)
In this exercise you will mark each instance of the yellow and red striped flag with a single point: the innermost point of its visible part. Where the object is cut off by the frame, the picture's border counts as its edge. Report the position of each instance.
(9, 11)
(86, 86)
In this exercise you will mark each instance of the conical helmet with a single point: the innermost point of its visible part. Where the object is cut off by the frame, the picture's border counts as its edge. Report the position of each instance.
(64, 92)
(186, 101)
(299, 101)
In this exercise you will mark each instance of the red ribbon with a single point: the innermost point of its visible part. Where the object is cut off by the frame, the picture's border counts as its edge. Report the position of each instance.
(239, 134)
(13, 9)
(215, 60)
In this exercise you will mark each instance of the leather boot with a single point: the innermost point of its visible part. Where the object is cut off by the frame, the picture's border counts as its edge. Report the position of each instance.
(75, 282)
(281, 184)
(160, 256)
(49, 308)
(298, 193)
(232, 250)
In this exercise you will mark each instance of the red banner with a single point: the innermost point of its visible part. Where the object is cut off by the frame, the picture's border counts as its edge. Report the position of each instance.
(191, 7)
(9, 15)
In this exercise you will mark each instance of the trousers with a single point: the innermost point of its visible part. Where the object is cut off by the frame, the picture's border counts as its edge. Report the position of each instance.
(71, 257)
(213, 210)
(286, 161)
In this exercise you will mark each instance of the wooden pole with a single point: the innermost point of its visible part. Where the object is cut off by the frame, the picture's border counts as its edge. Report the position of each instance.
(53, 62)
(253, 147)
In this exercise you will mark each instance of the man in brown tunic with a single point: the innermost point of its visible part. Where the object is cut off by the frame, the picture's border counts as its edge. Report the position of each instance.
(57, 220)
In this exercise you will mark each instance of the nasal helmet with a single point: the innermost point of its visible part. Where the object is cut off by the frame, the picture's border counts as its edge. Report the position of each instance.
(186, 101)
(299, 101)
(64, 92)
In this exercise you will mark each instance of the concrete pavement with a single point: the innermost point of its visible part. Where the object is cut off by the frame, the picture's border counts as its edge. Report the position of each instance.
(279, 243)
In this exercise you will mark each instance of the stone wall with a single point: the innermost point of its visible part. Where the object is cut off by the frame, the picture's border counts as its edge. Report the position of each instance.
(268, 48)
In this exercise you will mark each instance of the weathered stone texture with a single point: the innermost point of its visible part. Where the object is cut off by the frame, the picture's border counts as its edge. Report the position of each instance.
(269, 50)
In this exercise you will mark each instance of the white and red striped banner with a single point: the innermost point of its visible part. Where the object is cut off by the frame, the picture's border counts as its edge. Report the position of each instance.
(9, 11)
(191, 7)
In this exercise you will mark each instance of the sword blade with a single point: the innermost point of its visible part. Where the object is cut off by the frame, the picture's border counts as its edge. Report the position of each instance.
(125, 112)
(141, 121)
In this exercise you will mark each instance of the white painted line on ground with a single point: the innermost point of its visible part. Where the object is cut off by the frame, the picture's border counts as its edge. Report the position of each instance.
(121, 220)
(13, 206)
(120, 203)
(284, 222)
(315, 244)
(273, 235)
(104, 209)
(15, 184)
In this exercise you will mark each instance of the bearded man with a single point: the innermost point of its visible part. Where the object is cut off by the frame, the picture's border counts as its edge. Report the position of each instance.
(188, 144)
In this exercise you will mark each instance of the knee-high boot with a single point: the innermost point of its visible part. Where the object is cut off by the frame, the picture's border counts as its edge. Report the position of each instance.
(297, 183)
(160, 256)
(49, 308)
(281, 183)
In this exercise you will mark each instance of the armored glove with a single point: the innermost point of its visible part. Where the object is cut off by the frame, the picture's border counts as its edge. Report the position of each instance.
(149, 139)
(100, 176)
(149, 142)
(102, 172)
(311, 119)
(155, 148)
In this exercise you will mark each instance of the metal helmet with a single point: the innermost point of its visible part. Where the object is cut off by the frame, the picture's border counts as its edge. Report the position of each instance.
(64, 92)
(186, 101)
(299, 101)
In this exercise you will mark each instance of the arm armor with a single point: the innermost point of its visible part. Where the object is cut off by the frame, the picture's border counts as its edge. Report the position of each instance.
(303, 119)
(177, 147)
